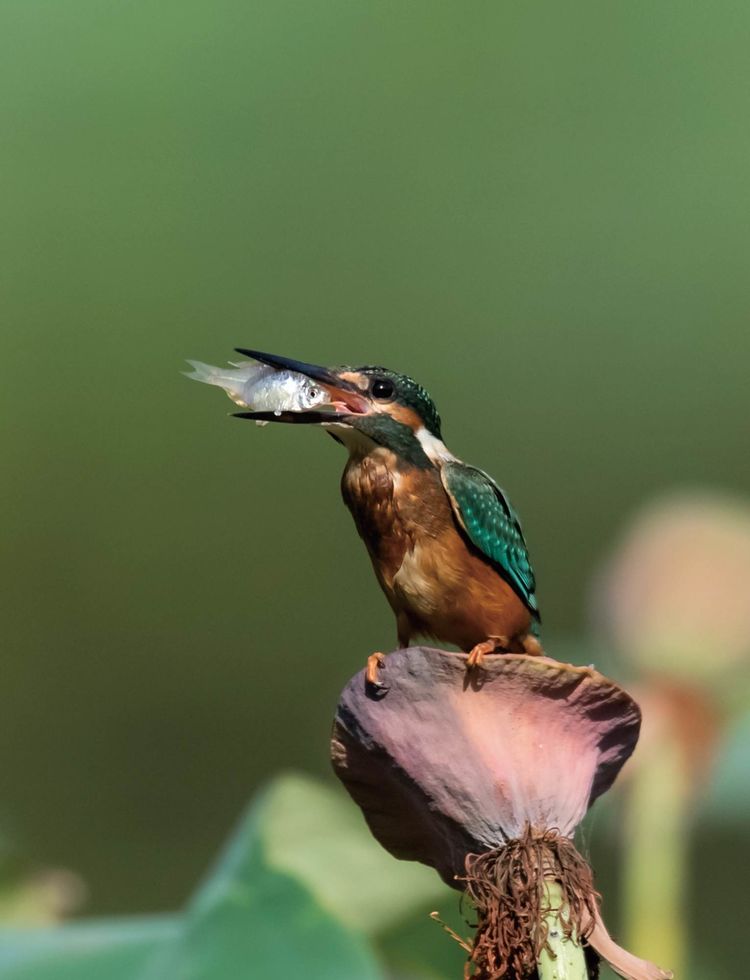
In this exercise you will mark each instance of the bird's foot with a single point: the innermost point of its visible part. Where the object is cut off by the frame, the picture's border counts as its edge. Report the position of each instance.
(375, 662)
(493, 644)
(532, 646)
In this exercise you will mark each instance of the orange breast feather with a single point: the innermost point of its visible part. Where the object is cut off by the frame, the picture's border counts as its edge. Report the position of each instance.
(433, 577)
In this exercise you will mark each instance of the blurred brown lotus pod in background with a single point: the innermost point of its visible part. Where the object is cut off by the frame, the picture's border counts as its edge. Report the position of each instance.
(485, 778)
(678, 585)
(678, 743)
(674, 601)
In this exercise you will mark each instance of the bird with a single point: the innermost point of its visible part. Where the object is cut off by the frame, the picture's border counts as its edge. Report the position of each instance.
(445, 543)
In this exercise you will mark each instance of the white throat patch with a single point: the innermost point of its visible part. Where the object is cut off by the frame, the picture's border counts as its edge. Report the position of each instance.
(434, 448)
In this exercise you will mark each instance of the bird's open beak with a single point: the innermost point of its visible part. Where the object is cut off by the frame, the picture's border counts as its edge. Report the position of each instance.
(346, 398)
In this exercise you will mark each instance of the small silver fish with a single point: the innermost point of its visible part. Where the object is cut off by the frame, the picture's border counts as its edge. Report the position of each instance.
(261, 388)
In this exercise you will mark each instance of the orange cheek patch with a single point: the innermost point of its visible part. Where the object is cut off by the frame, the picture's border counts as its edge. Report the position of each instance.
(407, 416)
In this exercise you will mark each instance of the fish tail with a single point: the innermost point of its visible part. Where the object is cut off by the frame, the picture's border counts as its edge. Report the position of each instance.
(206, 373)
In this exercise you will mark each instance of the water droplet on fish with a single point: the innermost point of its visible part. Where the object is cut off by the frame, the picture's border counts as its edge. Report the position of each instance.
(277, 413)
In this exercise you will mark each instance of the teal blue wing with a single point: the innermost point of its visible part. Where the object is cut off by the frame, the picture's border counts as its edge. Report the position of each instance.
(491, 524)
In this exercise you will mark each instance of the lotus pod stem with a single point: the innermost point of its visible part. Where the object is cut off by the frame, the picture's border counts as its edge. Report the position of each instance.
(562, 958)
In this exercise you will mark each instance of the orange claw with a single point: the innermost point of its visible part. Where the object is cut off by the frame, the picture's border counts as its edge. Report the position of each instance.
(494, 644)
(528, 644)
(374, 662)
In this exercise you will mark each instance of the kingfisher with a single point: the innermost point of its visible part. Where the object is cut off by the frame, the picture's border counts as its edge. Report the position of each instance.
(445, 543)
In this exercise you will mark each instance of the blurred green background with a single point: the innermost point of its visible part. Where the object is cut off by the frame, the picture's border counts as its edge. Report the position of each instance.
(540, 211)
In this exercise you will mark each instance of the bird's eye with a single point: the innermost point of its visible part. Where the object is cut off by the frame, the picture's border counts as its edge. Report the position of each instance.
(382, 389)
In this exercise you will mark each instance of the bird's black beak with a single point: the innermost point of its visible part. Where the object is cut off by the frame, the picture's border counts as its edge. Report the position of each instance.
(300, 418)
(347, 398)
(322, 374)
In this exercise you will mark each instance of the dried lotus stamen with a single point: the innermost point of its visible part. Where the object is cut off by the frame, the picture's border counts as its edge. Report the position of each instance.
(508, 888)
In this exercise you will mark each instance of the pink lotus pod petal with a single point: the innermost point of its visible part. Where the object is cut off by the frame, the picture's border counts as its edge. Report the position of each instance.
(485, 778)
(442, 768)
(679, 580)
(622, 962)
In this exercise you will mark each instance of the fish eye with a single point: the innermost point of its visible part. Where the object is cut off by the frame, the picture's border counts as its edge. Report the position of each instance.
(382, 389)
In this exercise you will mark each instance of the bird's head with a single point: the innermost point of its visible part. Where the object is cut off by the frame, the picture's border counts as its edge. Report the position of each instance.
(366, 405)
